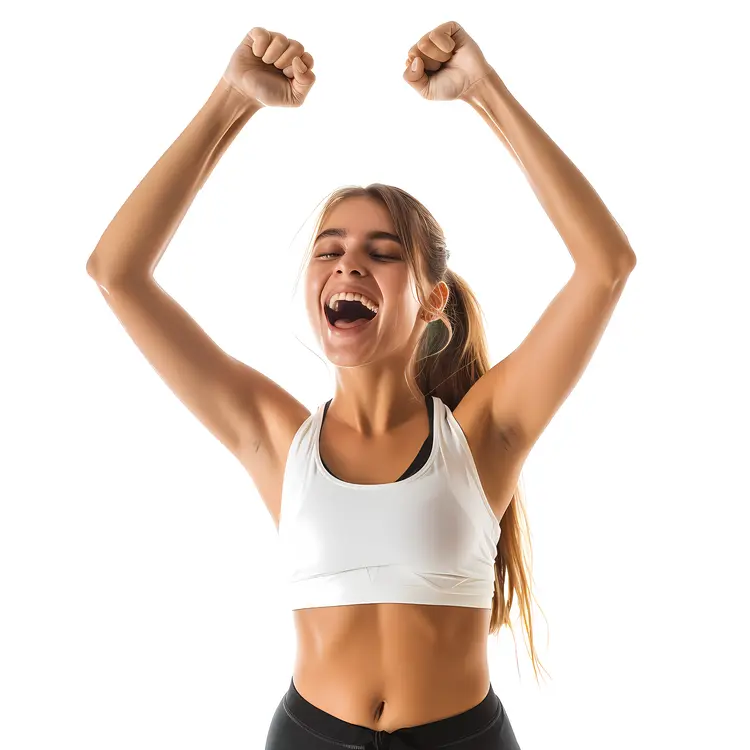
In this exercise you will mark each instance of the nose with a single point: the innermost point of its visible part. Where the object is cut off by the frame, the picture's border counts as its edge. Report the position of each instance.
(348, 264)
(344, 271)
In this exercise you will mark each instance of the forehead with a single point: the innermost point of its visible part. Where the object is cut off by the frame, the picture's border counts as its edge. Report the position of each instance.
(359, 216)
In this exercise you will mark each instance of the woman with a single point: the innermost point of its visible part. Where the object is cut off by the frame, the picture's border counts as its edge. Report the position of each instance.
(400, 513)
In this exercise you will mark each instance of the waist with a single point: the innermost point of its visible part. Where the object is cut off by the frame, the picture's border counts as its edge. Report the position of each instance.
(387, 666)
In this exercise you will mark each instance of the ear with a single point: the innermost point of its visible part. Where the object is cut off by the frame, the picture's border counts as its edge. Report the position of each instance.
(438, 298)
(440, 295)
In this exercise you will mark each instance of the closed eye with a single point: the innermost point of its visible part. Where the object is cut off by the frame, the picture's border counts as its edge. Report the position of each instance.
(374, 255)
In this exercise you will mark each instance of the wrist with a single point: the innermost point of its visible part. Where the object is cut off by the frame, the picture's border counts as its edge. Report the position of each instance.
(231, 101)
(491, 81)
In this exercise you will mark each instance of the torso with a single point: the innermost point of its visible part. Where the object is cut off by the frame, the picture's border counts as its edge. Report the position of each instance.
(388, 666)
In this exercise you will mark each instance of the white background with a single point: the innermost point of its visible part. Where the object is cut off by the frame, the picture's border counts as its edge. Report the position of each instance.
(139, 569)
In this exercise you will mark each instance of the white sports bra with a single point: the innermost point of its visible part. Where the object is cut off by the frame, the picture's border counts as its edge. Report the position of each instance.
(428, 538)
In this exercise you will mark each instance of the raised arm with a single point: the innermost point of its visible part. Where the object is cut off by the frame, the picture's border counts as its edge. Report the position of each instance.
(246, 411)
(135, 240)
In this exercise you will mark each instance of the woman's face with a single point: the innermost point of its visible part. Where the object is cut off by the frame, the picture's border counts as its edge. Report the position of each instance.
(375, 267)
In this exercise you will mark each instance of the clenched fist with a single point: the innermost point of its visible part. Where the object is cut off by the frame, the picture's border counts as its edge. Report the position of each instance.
(270, 69)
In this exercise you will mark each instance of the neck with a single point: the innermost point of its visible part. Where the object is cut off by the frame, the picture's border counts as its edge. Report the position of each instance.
(374, 400)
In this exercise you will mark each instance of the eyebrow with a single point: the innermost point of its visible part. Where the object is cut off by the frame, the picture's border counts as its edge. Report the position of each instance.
(376, 235)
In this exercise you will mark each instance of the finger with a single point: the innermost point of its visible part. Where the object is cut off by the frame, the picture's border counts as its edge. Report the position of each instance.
(285, 58)
(450, 28)
(417, 79)
(261, 39)
(429, 63)
(302, 74)
(430, 49)
(442, 40)
(306, 58)
(278, 45)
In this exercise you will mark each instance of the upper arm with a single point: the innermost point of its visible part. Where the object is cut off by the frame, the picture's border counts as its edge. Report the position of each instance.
(240, 406)
(526, 389)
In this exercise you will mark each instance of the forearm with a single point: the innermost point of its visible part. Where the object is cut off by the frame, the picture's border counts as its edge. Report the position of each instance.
(593, 237)
(140, 232)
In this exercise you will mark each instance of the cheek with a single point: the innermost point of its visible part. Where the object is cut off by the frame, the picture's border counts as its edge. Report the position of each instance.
(312, 307)
(312, 287)
(309, 296)
(405, 306)
(411, 300)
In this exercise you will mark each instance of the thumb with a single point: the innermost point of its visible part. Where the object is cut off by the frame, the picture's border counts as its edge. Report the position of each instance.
(416, 76)
(303, 76)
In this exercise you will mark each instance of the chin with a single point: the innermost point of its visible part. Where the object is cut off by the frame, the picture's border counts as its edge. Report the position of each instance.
(347, 359)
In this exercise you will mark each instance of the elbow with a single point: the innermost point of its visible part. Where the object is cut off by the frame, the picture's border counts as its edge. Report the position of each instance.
(628, 262)
(103, 273)
(623, 262)
(91, 267)
(97, 273)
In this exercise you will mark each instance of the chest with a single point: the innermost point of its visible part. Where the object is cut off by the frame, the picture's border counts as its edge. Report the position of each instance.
(360, 460)
(384, 459)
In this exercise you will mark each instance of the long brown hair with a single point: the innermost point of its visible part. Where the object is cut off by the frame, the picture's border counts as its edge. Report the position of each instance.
(453, 356)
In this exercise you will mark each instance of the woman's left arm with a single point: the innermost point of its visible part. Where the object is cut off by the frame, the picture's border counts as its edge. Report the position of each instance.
(524, 391)
(595, 240)
(518, 397)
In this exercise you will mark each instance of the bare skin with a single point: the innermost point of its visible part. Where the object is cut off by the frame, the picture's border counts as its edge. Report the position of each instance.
(388, 666)
(384, 666)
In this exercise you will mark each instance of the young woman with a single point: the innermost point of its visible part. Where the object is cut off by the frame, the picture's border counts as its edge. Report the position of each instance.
(396, 502)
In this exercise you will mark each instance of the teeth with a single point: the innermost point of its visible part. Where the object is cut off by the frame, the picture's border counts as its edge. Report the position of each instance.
(333, 303)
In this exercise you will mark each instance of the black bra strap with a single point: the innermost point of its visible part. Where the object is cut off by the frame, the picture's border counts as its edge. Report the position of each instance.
(424, 451)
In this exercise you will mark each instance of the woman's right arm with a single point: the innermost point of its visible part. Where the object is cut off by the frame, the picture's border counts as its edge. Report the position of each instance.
(246, 411)
(135, 240)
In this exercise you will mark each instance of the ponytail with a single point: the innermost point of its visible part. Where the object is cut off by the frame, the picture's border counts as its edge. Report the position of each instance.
(451, 356)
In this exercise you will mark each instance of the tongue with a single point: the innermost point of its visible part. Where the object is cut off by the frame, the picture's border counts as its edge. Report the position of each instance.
(350, 323)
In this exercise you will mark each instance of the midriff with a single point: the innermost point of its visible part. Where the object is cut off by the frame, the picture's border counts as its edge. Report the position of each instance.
(389, 666)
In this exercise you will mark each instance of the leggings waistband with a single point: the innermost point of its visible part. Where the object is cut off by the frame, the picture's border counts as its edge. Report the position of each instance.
(439, 733)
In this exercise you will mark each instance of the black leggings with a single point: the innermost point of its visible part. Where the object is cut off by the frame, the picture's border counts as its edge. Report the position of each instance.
(299, 725)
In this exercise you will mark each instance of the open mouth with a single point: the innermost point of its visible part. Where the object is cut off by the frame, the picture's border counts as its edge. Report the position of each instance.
(348, 314)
